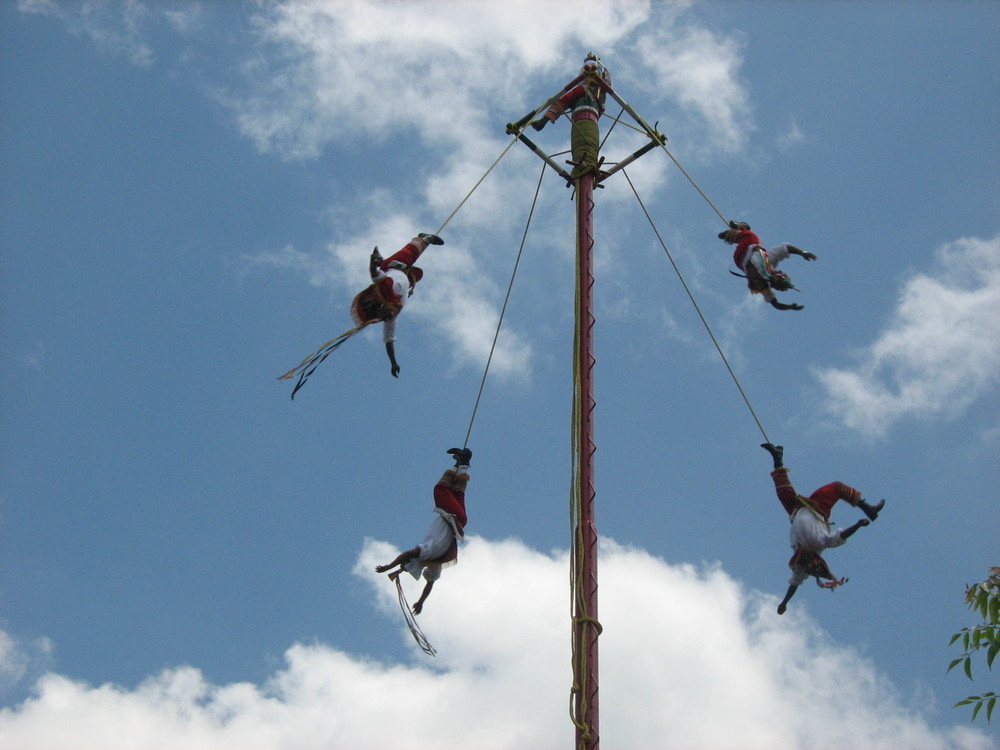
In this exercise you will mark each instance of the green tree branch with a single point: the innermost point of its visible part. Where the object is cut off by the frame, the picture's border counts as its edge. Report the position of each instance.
(984, 599)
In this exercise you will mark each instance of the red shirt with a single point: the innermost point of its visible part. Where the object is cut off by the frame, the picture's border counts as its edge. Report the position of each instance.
(746, 240)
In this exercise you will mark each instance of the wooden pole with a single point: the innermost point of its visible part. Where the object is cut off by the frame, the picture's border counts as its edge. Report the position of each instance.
(586, 626)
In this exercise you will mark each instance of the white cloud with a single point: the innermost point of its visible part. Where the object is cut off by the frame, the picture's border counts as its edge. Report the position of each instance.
(940, 351)
(339, 70)
(700, 69)
(117, 28)
(791, 136)
(681, 648)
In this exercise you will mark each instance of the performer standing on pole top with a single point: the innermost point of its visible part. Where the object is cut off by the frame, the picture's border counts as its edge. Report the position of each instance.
(760, 265)
(586, 103)
(393, 280)
(440, 546)
(812, 532)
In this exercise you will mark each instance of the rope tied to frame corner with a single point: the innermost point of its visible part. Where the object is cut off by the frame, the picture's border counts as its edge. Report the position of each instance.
(694, 184)
(697, 308)
(474, 187)
(503, 308)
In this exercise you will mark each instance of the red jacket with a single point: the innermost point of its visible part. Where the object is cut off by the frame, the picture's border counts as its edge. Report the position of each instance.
(746, 241)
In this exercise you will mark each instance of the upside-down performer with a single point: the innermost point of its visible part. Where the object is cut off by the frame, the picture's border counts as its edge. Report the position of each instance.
(393, 281)
(585, 102)
(439, 549)
(811, 531)
(760, 266)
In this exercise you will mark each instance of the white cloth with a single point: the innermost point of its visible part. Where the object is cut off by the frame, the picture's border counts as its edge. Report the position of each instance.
(810, 531)
(436, 542)
(401, 284)
(778, 254)
(389, 330)
(401, 288)
(775, 255)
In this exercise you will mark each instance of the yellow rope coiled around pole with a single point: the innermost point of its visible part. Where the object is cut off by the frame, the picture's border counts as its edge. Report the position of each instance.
(578, 695)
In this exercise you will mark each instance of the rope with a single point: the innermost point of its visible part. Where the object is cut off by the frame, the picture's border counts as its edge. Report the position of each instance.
(469, 194)
(614, 121)
(411, 621)
(698, 310)
(696, 187)
(625, 123)
(503, 309)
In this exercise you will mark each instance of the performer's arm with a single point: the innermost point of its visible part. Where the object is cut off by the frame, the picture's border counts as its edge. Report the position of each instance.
(792, 250)
(390, 349)
(788, 595)
(418, 607)
(782, 306)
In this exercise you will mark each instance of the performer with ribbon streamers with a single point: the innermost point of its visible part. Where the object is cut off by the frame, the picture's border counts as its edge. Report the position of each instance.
(393, 280)
(439, 549)
(586, 103)
(812, 532)
(760, 266)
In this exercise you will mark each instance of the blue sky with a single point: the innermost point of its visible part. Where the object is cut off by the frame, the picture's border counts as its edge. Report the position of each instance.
(189, 193)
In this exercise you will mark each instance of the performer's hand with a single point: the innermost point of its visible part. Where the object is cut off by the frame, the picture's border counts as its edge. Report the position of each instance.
(863, 522)
(540, 123)
(808, 256)
(395, 370)
(418, 608)
(781, 608)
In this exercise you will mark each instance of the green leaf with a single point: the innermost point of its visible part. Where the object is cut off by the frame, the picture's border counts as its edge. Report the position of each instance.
(976, 710)
(968, 667)
(990, 705)
(966, 702)
(954, 663)
(995, 610)
(992, 654)
(965, 641)
(954, 638)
